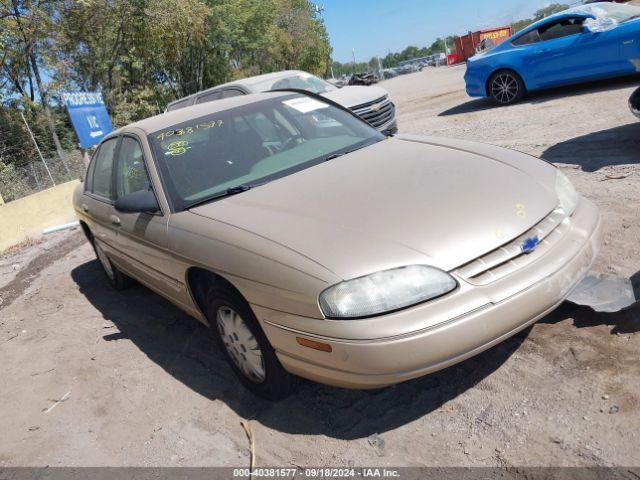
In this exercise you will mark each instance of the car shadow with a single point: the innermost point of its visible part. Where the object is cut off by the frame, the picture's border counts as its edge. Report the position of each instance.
(541, 96)
(181, 346)
(614, 146)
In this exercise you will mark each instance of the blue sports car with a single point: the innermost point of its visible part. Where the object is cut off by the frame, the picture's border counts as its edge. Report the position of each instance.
(586, 43)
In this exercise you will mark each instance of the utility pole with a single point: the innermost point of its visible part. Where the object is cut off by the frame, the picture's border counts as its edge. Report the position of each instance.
(38, 149)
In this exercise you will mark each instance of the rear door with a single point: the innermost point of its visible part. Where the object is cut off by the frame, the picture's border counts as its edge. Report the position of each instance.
(98, 198)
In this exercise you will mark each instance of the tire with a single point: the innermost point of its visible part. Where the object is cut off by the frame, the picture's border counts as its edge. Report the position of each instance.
(117, 279)
(506, 87)
(245, 346)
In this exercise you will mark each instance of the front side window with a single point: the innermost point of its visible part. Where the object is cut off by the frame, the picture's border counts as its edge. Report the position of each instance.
(101, 183)
(561, 28)
(206, 157)
(231, 92)
(131, 175)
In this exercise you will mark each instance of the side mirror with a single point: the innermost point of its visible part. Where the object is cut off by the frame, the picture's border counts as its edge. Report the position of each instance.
(138, 202)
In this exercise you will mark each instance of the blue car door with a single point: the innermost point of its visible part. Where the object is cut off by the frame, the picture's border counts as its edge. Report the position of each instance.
(568, 52)
(629, 38)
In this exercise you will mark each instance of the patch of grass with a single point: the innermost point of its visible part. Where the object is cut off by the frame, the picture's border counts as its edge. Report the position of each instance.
(29, 242)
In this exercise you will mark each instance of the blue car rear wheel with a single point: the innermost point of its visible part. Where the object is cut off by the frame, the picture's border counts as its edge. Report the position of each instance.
(506, 87)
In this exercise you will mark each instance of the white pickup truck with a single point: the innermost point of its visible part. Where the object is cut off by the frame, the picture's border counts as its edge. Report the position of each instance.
(372, 103)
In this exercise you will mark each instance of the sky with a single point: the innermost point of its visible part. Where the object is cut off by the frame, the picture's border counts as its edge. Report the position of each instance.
(376, 27)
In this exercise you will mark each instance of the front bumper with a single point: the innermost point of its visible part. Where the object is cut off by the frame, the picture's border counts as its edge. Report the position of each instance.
(375, 361)
(390, 129)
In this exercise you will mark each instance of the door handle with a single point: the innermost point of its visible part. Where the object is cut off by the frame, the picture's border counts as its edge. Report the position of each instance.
(85, 207)
(115, 220)
(628, 42)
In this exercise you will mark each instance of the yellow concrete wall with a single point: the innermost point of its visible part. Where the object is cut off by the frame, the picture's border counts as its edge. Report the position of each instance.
(29, 216)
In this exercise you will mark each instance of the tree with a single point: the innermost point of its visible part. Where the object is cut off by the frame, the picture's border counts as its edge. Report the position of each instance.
(539, 15)
(27, 38)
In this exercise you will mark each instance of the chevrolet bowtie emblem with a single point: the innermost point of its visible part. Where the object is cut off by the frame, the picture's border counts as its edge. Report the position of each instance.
(375, 107)
(530, 244)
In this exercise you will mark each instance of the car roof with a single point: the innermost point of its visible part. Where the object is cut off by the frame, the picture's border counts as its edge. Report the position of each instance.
(174, 117)
(245, 82)
(581, 11)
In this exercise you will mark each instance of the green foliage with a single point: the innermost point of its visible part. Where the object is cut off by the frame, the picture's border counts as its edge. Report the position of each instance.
(393, 59)
(141, 54)
(539, 15)
(12, 184)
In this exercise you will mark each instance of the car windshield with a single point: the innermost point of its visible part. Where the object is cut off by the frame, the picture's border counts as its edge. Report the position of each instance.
(301, 81)
(232, 150)
(619, 13)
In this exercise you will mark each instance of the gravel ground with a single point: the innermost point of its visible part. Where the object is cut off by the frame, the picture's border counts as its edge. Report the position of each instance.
(93, 377)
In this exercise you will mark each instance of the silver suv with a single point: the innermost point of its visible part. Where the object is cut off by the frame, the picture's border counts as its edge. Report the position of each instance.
(372, 104)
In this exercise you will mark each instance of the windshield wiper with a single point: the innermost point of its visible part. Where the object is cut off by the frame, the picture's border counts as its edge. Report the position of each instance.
(226, 193)
(345, 152)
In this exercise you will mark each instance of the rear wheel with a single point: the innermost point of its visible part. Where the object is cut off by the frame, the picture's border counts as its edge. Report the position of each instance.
(245, 346)
(506, 87)
(117, 279)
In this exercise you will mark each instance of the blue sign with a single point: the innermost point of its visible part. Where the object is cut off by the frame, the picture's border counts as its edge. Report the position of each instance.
(89, 117)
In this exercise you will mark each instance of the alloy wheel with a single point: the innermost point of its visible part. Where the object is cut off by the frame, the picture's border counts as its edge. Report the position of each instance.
(241, 344)
(505, 88)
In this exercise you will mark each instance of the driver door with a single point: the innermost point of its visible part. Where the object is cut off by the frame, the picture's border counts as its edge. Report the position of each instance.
(141, 237)
(568, 52)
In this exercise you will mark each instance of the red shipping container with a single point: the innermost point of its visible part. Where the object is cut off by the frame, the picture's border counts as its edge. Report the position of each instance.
(467, 45)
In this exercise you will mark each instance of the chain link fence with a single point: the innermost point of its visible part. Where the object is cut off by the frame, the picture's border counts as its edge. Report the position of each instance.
(20, 181)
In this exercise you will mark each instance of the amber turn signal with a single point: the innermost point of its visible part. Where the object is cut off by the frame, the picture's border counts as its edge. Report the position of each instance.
(305, 342)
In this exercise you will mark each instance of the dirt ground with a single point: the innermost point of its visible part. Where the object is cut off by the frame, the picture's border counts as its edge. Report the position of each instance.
(93, 377)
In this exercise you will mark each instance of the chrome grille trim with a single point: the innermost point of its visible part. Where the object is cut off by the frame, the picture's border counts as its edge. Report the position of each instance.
(376, 118)
(509, 257)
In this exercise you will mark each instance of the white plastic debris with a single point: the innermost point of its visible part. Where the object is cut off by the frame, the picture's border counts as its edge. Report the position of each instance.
(604, 293)
(66, 226)
(600, 24)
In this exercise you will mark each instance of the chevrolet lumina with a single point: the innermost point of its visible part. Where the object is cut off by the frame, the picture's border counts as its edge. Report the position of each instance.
(313, 246)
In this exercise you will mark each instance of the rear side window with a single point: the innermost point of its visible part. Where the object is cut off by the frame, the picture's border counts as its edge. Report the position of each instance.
(131, 173)
(209, 97)
(177, 105)
(101, 181)
(531, 37)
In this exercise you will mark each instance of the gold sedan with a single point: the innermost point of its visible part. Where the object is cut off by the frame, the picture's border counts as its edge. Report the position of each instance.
(314, 246)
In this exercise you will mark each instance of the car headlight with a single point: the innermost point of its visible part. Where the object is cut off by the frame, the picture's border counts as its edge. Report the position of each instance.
(567, 195)
(385, 291)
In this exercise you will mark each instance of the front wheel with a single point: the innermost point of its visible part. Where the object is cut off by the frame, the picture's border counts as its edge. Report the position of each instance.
(245, 345)
(506, 87)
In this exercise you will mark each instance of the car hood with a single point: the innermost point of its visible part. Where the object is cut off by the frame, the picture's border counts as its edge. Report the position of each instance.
(394, 203)
(352, 96)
